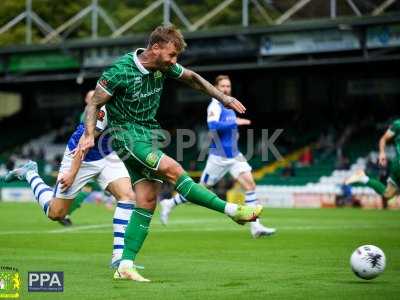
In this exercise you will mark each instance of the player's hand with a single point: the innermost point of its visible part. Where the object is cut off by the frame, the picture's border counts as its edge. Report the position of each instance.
(66, 179)
(240, 121)
(85, 143)
(382, 160)
(235, 104)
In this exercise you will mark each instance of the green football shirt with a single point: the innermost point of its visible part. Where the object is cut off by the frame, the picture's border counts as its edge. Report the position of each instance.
(136, 94)
(395, 129)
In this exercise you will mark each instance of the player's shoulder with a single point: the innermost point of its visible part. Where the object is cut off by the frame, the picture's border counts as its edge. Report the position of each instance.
(123, 60)
(395, 124)
(214, 104)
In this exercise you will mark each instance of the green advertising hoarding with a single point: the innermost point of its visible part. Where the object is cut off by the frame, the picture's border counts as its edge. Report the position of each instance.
(44, 61)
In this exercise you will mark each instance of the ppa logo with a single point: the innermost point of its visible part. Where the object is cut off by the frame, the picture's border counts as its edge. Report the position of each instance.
(45, 281)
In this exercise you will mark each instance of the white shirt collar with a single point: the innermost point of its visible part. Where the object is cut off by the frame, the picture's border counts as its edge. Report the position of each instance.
(138, 63)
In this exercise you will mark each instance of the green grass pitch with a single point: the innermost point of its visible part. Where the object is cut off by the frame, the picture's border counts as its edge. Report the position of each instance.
(204, 255)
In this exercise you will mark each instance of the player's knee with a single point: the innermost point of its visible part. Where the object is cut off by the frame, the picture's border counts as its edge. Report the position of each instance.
(252, 186)
(149, 201)
(249, 185)
(125, 195)
(174, 171)
(389, 193)
(56, 214)
(130, 195)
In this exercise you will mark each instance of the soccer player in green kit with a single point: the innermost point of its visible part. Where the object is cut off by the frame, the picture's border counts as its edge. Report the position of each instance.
(131, 90)
(393, 183)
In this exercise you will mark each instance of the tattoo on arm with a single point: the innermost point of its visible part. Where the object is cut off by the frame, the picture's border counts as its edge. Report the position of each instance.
(92, 108)
(197, 82)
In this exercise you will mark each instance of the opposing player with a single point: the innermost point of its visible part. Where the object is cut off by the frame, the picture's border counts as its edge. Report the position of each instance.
(224, 157)
(101, 164)
(393, 183)
(131, 90)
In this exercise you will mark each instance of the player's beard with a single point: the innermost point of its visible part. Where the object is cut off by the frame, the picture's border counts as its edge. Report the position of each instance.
(161, 65)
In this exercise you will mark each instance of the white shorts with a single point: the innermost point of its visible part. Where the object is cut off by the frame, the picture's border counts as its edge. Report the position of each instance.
(105, 171)
(218, 166)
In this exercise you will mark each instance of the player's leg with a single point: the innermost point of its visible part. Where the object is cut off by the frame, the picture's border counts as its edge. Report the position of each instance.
(215, 169)
(115, 179)
(245, 178)
(167, 205)
(53, 207)
(360, 177)
(137, 229)
(59, 208)
(155, 161)
(200, 195)
(121, 189)
(387, 192)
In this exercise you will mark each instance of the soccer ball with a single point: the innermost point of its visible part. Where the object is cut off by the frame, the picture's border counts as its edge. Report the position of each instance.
(368, 262)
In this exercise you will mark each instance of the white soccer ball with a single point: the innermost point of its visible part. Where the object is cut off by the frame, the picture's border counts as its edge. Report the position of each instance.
(368, 261)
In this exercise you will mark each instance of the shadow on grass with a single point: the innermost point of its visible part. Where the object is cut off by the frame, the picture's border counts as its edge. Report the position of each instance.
(361, 282)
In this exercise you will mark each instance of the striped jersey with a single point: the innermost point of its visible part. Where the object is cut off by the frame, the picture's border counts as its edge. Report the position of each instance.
(136, 94)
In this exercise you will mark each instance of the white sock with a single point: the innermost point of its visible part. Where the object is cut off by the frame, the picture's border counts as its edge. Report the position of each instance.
(122, 215)
(125, 264)
(42, 192)
(252, 200)
(178, 199)
(364, 179)
(230, 209)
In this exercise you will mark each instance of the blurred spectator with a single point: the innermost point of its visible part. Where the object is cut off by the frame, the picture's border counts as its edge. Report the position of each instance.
(288, 171)
(372, 165)
(346, 197)
(10, 164)
(342, 162)
(41, 155)
(306, 159)
(325, 144)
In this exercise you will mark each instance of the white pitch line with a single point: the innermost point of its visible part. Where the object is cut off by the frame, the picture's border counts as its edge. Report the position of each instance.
(79, 228)
(87, 229)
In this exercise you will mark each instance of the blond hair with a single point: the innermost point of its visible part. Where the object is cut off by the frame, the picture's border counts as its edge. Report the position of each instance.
(167, 34)
(221, 77)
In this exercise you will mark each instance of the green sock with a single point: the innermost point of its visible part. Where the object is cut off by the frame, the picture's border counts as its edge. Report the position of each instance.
(198, 194)
(77, 202)
(377, 186)
(136, 232)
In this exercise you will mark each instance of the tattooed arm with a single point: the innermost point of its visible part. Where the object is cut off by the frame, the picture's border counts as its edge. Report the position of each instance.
(197, 82)
(99, 98)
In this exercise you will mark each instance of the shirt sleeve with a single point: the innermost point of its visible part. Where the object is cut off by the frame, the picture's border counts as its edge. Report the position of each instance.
(175, 71)
(101, 123)
(395, 127)
(213, 112)
(110, 80)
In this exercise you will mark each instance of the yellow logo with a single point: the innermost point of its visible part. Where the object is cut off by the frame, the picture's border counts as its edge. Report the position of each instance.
(152, 159)
(10, 282)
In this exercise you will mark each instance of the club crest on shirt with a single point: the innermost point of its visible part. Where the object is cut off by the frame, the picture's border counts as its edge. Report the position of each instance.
(103, 82)
(157, 74)
(100, 115)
